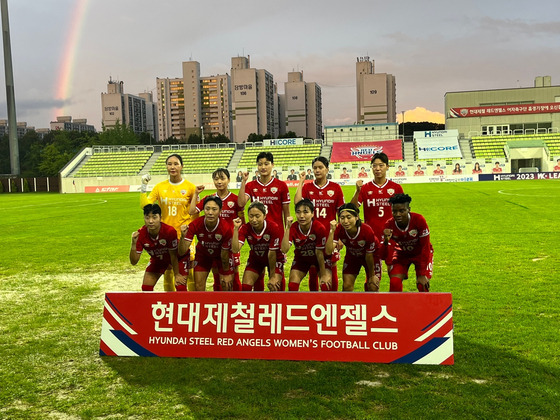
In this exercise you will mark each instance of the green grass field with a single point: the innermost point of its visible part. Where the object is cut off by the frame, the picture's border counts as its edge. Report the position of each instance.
(497, 251)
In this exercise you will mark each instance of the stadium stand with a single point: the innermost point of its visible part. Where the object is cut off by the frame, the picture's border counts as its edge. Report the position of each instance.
(196, 161)
(284, 156)
(487, 147)
(114, 164)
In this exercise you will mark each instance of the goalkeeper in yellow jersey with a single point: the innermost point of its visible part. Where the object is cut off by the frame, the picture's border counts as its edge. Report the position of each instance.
(174, 197)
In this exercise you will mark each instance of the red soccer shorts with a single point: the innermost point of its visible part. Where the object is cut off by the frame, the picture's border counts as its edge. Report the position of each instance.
(422, 264)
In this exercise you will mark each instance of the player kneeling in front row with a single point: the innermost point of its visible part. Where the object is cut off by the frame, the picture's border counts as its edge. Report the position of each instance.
(160, 241)
(213, 247)
(407, 239)
(309, 237)
(361, 248)
(263, 237)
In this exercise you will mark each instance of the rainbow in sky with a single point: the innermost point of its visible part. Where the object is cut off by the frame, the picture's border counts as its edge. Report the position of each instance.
(66, 70)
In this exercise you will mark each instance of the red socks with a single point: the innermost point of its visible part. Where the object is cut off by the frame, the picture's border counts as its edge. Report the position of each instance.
(395, 284)
(147, 288)
(181, 287)
(293, 286)
(246, 287)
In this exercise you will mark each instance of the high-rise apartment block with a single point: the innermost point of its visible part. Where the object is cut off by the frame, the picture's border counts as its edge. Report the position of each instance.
(375, 94)
(65, 123)
(254, 100)
(193, 104)
(301, 107)
(171, 108)
(130, 110)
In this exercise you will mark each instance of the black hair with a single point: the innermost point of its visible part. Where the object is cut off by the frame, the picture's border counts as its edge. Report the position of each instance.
(381, 156)
(213, 198)
(352, 209)
(266, 155)
(400, 199)
(305, 202)
(321, 159)
(259, 206)
(152, 208)
(175, 155)
(220, 171)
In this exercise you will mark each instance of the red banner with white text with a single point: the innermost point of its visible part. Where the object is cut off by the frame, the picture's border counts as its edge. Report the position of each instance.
(107, 189)
(367, 327)
(363, 151)
(496, 110)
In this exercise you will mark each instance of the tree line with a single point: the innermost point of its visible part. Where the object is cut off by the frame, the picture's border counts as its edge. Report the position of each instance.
(45, 155)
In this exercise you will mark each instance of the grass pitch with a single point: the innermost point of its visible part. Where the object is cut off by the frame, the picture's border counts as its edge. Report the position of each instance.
(496, 249)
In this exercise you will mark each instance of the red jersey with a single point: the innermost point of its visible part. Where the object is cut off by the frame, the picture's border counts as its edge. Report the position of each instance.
(438, 171)
(400, 173)
(273, 195)
(375, 198)
(364, 242)
(261, 242)
(210, 242)
(412, 241)
(419, 173)
(307, 243)
(326, 199)
(159, 246)
(496, 170)
(344, 176)
(230, 208)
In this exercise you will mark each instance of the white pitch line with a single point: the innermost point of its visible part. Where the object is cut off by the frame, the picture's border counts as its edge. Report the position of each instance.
(520, 195)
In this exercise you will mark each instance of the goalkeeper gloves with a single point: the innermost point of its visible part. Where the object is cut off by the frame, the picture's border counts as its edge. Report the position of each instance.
(145, 179)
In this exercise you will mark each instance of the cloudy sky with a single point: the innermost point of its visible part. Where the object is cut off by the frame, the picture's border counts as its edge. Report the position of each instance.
(65, 51)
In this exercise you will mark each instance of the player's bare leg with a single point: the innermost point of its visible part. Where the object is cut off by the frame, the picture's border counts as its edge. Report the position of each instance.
(200, 280)
(296, 277)
(249, 279)
(348, 281)
(149, 281)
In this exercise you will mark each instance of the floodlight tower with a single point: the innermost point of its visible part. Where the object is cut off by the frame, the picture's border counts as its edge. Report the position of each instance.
(10, 95)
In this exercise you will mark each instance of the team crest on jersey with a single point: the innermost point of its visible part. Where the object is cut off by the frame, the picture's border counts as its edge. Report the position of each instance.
(311, 193)
(274, 190)
(218, 237)
(370, 192)
(146, 245)
(210, 251)
(361, 243)
(183, 192)
(413, 233)
(266, 237)
(201, 235)
(330, 193)
(162, 242)
(298, 240)
(230, 204)
(255, 190)
(391, 191)
(312, 237)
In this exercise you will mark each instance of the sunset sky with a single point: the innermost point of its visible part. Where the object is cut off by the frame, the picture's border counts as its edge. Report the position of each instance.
(65, 51)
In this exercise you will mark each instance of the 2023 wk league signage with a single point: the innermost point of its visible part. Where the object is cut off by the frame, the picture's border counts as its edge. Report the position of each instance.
(365, 327)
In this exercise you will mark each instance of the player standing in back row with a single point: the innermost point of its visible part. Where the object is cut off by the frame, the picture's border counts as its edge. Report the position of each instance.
(375, 195)
(327, 197)
(272, 192)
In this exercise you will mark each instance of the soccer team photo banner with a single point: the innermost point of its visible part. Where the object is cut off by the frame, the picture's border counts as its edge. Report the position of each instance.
(358, 327)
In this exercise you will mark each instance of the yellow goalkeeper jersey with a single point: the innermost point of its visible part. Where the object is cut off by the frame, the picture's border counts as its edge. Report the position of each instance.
(174, 200)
